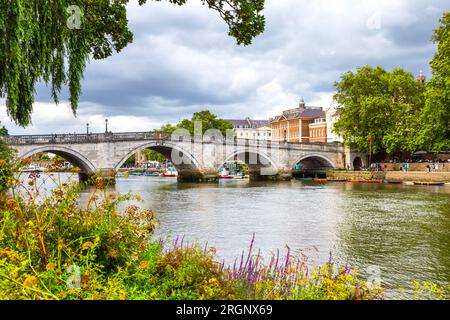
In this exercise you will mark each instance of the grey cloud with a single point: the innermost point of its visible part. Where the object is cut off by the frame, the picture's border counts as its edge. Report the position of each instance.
(182, 59)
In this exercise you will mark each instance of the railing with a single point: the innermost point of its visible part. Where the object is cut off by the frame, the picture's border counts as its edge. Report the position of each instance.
(83, 138)
(140, 136)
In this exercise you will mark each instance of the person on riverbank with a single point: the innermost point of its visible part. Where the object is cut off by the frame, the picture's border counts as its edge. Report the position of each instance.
(436, 167)
(406, 167)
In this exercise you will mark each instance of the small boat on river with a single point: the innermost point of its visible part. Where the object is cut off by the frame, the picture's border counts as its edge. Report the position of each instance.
(428, 183)
(170, 172)
(135, 173)
(336, 180)
(394, 182)
(320, 180)
(32, 168)
(365, 181)
(151, 174)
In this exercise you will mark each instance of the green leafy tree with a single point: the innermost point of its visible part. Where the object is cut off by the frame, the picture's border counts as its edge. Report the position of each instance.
(51, 42)
(167, 128)
(434, 133)
(3, 131)
(208, 121)
(151, 155)
(6, 152)
(379, 104)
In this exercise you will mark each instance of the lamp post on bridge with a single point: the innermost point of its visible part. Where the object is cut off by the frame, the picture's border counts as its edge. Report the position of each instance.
(87, 128)
(106, 125)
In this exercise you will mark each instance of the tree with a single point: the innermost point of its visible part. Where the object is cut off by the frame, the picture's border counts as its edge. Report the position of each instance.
(379, 104)
(151, 155)
(208, 121)
(205, 117)
(435, 118)
(3, 131)
(167, 128)
(51, 42)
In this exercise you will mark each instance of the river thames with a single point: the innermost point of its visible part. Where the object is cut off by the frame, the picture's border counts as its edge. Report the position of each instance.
(402, 231)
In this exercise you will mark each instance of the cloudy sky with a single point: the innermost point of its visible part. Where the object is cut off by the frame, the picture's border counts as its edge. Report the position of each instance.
(182, 61)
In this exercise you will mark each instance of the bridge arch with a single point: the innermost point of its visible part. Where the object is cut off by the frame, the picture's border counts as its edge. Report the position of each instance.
(74, 157)
(188, 165)
(259, 163)
(316, 162)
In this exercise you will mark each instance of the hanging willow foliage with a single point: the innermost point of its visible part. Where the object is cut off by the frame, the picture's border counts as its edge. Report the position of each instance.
(49, 41)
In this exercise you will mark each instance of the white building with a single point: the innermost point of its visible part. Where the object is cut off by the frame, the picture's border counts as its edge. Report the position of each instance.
(332, 116)
(252, 129)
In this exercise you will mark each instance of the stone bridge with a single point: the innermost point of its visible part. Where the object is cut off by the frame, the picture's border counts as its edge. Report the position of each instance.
(196, 159)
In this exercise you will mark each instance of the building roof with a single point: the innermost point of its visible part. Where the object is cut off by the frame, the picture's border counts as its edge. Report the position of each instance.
(254, 124)
(303, 113)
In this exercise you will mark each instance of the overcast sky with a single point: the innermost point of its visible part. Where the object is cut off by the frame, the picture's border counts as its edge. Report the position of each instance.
(182, 61)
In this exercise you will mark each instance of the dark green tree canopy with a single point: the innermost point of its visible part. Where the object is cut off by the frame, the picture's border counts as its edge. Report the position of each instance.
(51, 42)
(435, 131)
(3, 131)
(379, 104)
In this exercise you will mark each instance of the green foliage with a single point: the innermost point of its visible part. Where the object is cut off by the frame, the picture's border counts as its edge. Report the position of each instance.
(167, 128)
(151, 155)
(3, 131)
(38, 45)
(382, 104)
(131, 160)
(6, 177)
(6, 152)
(44, 157)
(435, 118)
(207, 119)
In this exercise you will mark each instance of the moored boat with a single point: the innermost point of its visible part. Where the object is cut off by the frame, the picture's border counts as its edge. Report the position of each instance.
(336, 180)
(365, 181)
(32, 168)
(170, 172)
(394, 182)
(320, 180)
(135, 173)
(428, 183)
(151, 174)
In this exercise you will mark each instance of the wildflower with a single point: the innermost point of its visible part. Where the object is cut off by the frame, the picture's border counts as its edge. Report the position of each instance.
(11, 203)
(30, 281)
(51, 266)
(100, 183)
(86, 245)
(111, 196)
(113, 253)
(144, 265)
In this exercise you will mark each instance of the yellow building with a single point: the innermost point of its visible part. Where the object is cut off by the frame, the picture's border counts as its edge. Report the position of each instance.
(296, 125)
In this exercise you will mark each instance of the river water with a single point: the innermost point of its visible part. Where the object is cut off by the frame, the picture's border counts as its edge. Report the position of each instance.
(401, 231)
